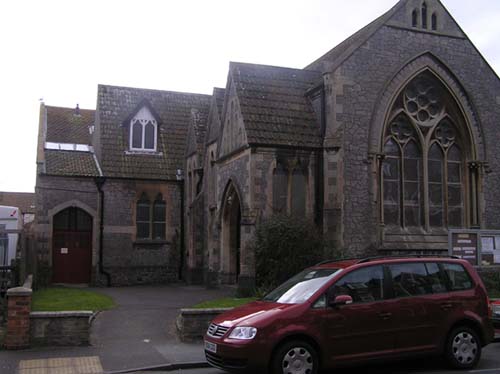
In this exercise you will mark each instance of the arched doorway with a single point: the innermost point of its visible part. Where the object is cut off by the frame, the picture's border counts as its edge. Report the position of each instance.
(231, 236)
(72, 246)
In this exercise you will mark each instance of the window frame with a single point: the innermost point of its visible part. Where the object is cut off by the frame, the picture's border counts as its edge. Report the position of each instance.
(143, 118)
(439, 128)
(151, 222)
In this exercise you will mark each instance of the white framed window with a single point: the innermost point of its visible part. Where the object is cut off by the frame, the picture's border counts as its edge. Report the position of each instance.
(143, 131)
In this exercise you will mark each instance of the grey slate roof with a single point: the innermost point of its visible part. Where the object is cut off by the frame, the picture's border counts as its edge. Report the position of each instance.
(22, 200)
(332, 59)
(175, 111)
(63, 126)
(274, 105)
(70, 163)
(214, 126)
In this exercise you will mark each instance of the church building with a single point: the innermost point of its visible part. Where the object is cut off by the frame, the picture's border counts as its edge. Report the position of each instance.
(386, 142)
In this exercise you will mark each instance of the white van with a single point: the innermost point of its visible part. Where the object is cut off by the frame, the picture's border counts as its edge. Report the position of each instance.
(11, 224)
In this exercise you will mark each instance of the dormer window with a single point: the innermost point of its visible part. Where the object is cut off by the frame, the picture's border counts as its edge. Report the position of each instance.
(143, 131)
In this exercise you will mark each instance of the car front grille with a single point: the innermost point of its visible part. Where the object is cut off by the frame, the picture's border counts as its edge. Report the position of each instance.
(225, 363)
(216, 331)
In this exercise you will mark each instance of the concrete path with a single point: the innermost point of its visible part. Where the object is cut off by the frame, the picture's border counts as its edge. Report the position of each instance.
(139, 332)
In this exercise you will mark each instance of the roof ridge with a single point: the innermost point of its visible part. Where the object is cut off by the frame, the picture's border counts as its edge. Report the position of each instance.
(272, 66)
(376, 24)
(153, 90)
(66, 108)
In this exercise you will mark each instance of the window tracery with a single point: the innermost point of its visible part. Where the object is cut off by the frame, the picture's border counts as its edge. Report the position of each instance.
(423, 172)
(143, 131)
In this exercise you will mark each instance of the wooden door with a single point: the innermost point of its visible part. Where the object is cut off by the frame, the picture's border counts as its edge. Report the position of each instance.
(72, 247)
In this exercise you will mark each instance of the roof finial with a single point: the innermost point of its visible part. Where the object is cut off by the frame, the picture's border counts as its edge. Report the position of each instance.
(77, 110)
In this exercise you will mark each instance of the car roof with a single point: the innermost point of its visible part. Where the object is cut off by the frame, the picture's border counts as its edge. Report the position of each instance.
(346, 263)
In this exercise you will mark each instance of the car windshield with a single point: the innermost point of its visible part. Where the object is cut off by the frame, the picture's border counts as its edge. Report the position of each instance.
(301, 287)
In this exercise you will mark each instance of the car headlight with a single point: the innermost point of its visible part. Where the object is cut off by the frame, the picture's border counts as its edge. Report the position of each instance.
(243, 333)
(496, 310)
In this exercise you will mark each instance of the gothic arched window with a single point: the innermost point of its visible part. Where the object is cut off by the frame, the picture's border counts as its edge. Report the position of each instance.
(424, 15)
(143, 131)
(423, 172)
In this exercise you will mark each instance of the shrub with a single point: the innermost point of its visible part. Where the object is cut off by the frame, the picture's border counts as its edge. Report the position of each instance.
(284, 245)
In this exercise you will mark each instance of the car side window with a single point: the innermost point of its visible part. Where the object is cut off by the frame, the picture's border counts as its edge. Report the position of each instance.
(414, 279)
(457, 276)
(436, 279)
(410, 280)
(363, 285)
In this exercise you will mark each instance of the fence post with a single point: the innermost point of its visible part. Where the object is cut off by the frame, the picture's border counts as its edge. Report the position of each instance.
(18, 316)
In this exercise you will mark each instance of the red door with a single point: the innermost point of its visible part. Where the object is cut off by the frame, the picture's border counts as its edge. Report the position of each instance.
(72, 247)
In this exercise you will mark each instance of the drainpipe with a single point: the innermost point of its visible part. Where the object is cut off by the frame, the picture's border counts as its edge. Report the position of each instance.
(180, 178)
(99, 182)
(320, 203)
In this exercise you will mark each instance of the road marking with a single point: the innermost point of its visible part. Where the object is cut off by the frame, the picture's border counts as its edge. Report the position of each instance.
(496, 370)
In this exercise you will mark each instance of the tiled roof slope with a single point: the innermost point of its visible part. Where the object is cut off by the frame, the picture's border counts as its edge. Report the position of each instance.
(63, 126)
(199, 121)
(70, 163)
(197, 132)
(331, 60)
(22, 200)
(274, 105)
(214, 126)
(174, 110)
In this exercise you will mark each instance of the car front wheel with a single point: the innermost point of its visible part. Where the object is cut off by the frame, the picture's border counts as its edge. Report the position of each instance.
(295, 357)
(463, 348)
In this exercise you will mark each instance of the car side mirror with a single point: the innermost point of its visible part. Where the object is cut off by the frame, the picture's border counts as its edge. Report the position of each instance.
(340, 301)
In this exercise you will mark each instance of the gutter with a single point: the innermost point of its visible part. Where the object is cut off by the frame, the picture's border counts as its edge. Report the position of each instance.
(99, 182)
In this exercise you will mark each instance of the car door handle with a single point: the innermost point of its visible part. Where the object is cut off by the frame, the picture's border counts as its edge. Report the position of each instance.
(446, 306)
(385, 315)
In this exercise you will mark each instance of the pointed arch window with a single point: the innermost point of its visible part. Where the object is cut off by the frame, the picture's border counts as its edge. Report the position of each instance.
(423, 172)
(414, 18)
(434, 21)
(143, 131)
(424, 15)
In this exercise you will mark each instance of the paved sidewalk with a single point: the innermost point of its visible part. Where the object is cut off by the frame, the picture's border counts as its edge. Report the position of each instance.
(139, 332)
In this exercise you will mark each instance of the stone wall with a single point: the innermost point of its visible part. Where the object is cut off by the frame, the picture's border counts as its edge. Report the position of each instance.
(192, 324)
(354, 91)
(127, 260)
(60, 328)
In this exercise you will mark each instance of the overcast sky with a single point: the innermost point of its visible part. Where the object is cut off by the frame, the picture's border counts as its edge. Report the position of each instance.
(58, 51)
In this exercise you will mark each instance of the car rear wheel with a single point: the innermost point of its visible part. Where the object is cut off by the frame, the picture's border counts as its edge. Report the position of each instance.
(295, 357)
(463, 348)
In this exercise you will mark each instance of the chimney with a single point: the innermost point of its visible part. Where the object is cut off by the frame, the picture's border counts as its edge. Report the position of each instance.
(77, 110)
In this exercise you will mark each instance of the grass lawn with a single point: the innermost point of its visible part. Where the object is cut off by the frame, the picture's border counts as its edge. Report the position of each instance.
(55, 299)
(226, 302)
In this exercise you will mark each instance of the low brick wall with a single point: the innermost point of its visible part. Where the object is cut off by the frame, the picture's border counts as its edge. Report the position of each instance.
(18, 316)
(60, 328)
(193, 323)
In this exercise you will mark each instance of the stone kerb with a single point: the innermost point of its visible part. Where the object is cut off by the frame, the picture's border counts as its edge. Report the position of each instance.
(193, 323)
(18, 316)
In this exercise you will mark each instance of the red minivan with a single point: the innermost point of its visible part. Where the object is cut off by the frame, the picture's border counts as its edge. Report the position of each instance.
(352, 311)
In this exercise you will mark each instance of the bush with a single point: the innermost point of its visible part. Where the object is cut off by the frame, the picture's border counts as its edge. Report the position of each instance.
(283, 246)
